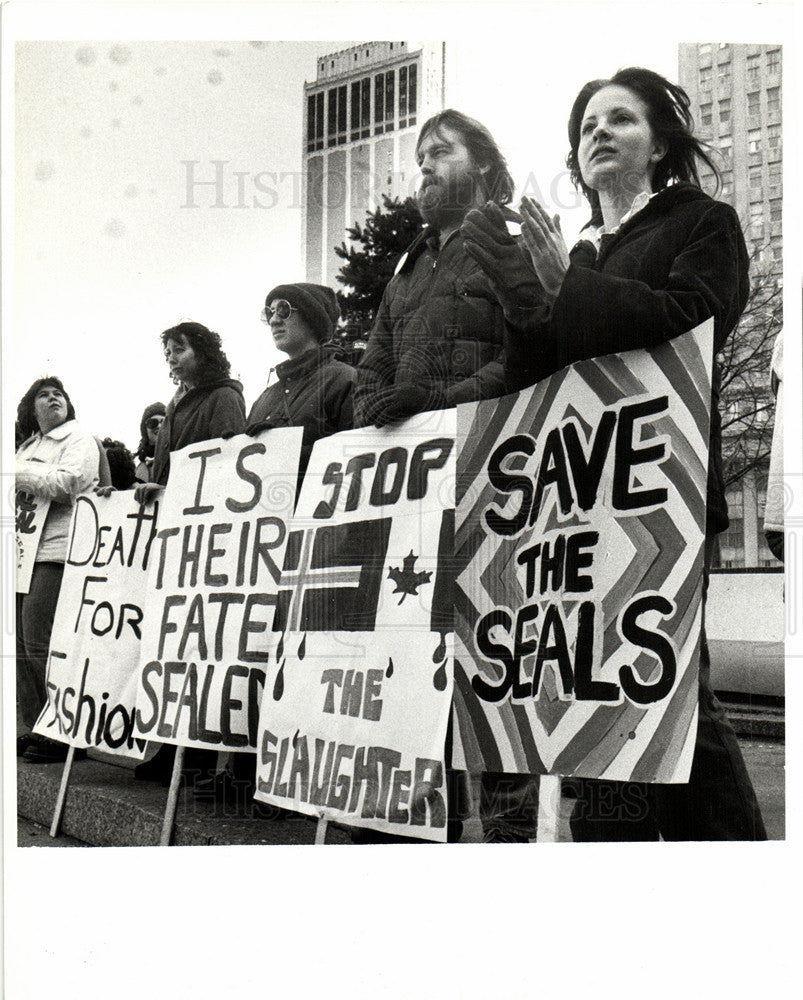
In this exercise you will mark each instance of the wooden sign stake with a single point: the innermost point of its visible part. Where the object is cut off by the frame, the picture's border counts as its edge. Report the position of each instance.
(548, 817)
(172, 798)
(62, 795)
(320, 830)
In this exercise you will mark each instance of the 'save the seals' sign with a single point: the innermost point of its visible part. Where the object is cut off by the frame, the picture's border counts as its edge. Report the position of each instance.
(579, 545)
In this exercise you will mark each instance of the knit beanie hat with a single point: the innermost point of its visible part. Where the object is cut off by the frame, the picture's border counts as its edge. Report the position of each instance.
(317, 303)
(154, 410)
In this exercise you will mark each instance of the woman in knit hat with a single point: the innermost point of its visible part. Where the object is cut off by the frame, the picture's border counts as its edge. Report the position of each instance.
(312, 389)
(152, 419)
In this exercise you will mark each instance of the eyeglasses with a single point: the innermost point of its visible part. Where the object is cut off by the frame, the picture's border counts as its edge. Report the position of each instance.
(154, 423)
(281, 309)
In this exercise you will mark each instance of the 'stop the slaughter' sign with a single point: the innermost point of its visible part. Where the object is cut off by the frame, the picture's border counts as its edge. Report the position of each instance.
(353, 720)
(212, 589)
(580, 527)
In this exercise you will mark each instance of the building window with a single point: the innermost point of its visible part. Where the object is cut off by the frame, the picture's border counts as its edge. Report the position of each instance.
(383, 102)
(725, 111)
(408, 86)
(776, 178)
(705, 49)
(725, 149)
(774, 61)
(315, 122)
(774, 100)
(705, 114)
(727, 182)
(336, 121)
(754, 140)
(379, 103)
(734, 539)
(774, 137)
(775, 210)
(757, 219)
(753, 69)
(753, 105)
(705, 77)
(724, 74)
(390, 81)
(754, 178)
(361, 108)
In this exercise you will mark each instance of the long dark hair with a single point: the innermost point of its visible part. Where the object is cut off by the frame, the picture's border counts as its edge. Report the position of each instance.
(121, 464)
(481, 145)
(208, 347)
(26, 416)
(670, 120)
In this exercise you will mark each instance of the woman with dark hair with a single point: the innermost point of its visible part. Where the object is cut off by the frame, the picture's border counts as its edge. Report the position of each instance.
(149, 425)
(56, 461)
(658, 257)
(207, 404)
(121, 464)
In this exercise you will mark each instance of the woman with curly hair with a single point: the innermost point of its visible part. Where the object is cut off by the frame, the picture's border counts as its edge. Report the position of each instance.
(56, 461)
(208, 404)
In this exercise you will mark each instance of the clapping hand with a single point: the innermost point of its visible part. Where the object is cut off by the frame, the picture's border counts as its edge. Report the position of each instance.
(504, 260)
(545, 245)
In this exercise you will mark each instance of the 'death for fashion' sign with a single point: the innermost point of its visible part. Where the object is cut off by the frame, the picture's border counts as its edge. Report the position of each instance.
(579, 545)
(214, 573)
(356, 704)
(97, 629)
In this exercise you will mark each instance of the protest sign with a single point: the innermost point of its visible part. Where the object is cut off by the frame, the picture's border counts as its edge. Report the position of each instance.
(579, 545)
(353, 721)
(97, 631)
(31, 512)
(212, 589)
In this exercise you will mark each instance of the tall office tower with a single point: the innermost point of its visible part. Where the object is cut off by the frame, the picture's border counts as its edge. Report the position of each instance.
(735, 93)
(361, 119)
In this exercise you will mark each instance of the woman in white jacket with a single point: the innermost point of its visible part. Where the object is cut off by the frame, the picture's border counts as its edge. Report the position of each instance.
(56, 461)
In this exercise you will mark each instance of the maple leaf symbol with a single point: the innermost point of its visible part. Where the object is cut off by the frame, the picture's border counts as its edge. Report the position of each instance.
(406, 579)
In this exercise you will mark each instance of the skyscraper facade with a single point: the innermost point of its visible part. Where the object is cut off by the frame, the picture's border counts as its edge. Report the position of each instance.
(735, 93)
(361, 119)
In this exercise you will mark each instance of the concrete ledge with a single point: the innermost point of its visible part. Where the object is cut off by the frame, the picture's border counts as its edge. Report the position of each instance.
(105, 807)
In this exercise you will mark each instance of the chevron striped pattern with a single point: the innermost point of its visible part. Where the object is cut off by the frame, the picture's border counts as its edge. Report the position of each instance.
(651, 551)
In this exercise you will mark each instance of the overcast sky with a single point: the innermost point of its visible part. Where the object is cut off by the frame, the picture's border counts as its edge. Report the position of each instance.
(115, 241)
(99, 257)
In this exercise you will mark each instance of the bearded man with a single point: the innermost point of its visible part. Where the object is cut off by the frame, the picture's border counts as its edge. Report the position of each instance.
(437, 341)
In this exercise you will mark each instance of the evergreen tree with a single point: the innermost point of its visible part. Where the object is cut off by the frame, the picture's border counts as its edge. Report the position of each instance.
(370, 260)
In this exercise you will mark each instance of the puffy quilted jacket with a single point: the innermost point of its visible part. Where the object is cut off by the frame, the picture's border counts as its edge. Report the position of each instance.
(439, 328)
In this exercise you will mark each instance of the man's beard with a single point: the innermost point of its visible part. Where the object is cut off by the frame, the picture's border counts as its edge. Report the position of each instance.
(447, 201)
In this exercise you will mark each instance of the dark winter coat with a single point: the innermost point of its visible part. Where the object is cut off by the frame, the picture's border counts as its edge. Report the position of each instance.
(439, 328)
(313, 391)
(679, 261)
(199, 414)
